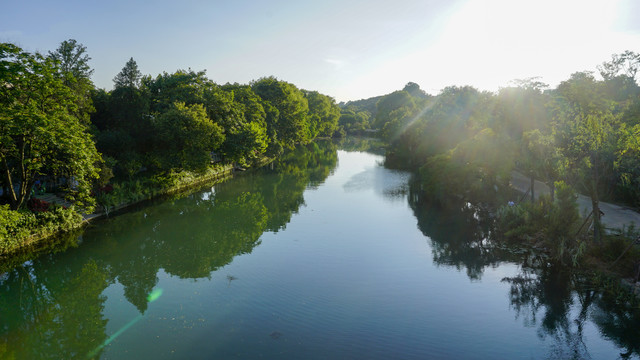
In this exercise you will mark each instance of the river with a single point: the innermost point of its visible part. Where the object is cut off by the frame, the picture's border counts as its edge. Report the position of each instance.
(324, 254)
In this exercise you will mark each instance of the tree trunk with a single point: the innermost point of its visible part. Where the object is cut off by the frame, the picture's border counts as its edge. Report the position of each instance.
(597, 226)
(595, 202)
(11, 193)
(533, 181)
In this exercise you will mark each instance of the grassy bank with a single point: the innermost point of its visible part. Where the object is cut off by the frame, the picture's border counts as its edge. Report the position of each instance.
(27, 228)
(23, 228)
(127, 193)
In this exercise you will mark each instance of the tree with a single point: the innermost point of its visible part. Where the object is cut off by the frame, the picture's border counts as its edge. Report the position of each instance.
(455, 115)
(74, 69)
(414, 90)
(292, 125)
(628, 63)
(182, 86)
(586, 134)
(186, 137)
(323, 114)
(247, 139)
(521, 108)
(354, 122)
(39, 133)
(129, 107)
(129, 77)
(540, 157)
(628, 164)
(398, 121)
(389, 103)
(592, 154)
(73, 59)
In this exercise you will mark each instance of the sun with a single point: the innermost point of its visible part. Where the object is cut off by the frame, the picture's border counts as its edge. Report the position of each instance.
(489, 43)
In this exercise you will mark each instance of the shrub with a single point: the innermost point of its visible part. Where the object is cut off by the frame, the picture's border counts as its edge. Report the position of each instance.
(57, 219)
(555, 223)
(14, 227)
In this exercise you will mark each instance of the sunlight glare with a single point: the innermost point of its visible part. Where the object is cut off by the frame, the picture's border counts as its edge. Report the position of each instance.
(488, 43)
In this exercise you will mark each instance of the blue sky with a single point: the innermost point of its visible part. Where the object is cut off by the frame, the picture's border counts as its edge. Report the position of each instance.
(346, 49)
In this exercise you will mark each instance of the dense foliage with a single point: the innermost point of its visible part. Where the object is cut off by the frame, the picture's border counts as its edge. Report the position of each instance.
(58, 132)
(466, 142)
(40, 131)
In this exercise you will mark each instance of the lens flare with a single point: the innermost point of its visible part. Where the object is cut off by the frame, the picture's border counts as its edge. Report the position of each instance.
(153, 296)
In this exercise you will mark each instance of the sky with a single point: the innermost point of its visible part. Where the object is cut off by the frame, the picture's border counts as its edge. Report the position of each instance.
(346, 49)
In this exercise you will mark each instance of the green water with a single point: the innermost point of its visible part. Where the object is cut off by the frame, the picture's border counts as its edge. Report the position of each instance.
(323, 255)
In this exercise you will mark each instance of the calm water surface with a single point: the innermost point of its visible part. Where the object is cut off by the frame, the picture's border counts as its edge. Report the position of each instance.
(324, 255)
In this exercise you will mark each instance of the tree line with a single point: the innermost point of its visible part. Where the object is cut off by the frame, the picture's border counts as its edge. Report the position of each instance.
(54, 122)
(584, 132)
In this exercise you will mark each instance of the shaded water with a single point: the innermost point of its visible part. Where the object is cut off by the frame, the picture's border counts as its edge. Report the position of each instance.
(324, 255)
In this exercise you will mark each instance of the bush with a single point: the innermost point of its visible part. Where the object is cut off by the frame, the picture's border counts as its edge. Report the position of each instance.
(14, 227)
(132, 191)
(553, 223)
(57, 219)
(524, 221)
(616, 251)
(17, 227)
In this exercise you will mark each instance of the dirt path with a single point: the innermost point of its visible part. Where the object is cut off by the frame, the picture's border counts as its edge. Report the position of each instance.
(615, 216)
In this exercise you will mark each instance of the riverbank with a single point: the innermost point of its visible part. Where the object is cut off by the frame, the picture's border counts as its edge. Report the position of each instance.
(611, 265)
(128, 194)
(20, 231)
(615, 217)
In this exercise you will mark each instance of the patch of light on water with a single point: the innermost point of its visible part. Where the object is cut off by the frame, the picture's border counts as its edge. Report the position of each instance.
(208, 195)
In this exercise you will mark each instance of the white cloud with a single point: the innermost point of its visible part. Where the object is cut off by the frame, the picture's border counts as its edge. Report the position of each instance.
(339, 64)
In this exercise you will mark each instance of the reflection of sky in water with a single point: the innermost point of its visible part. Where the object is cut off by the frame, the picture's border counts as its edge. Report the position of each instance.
(392, 184)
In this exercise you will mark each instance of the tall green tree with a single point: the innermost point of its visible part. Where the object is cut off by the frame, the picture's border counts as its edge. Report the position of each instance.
(292, 125)
(521, 108)
(129, 76)
(129, 104)
(628, 164)
(39, 133)
(181, 86)
(185, 137)
(247, 139)
(323, 114)
(541, 159)
(586, 133)
(73, 59)
(73, 66)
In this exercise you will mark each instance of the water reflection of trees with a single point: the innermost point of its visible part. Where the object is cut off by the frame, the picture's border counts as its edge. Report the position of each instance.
(562, 303)
(363, 144)
(620, 325)
(460, 233)
(51, 306)
(543, 295)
